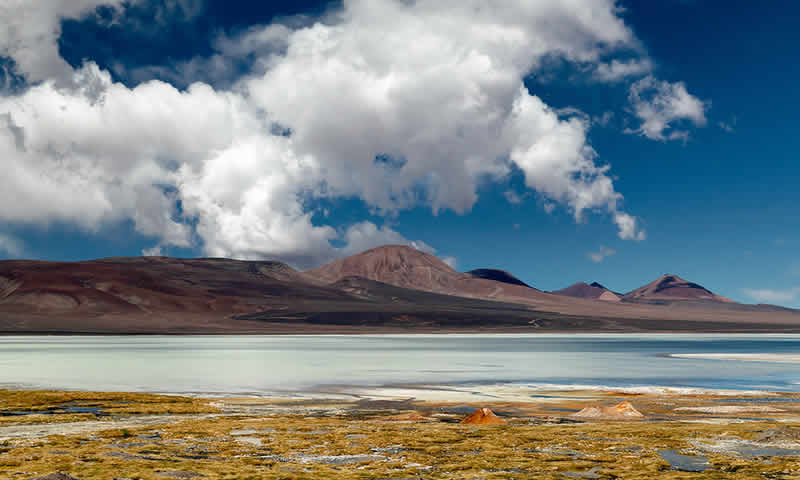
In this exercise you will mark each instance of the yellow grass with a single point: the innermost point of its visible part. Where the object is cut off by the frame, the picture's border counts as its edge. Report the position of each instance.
(437, 450)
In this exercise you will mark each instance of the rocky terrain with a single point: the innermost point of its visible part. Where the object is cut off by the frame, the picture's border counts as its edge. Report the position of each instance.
(386, 289)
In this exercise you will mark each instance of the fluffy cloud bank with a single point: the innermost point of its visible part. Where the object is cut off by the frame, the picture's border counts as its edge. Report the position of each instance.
(396, 103)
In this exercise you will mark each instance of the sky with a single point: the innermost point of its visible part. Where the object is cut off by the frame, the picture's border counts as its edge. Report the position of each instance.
(563, 141)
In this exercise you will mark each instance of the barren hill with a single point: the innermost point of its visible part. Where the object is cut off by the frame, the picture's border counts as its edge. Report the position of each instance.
(673, 288)
(397, 265)
(150, 284)
(407, 267)
(590, 291)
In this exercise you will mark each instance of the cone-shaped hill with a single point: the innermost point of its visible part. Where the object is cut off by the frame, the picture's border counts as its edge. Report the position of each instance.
(483, 416)
(397, 265)
(594, 291)
(673, 288)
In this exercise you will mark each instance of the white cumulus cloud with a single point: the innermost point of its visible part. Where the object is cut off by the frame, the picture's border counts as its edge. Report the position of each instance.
(628, 226)
(399, 104)
(660, 104)
(29, 32)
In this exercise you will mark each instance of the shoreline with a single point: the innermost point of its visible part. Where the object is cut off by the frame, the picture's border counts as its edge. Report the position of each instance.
(463, 392)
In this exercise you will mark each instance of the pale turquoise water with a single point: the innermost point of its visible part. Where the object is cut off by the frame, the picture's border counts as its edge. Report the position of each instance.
(269, 364)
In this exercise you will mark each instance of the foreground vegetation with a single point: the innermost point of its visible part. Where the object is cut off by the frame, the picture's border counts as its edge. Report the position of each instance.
(139, 436)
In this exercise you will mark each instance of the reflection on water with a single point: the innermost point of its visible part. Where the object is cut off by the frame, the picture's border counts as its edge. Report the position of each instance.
(270, 364)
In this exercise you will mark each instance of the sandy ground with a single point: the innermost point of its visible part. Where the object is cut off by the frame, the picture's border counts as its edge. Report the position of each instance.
(17, 432)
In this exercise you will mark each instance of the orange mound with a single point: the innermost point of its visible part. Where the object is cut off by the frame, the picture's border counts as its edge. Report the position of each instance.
(622, 410)
(483, 416)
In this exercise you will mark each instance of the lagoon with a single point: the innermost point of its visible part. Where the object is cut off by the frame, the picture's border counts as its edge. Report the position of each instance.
(283, 365)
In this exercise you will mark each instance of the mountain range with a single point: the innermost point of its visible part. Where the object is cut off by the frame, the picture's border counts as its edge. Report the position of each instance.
(667, 288)
(385, 289)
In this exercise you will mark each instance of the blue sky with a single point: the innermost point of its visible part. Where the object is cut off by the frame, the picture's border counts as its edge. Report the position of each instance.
(717, 204)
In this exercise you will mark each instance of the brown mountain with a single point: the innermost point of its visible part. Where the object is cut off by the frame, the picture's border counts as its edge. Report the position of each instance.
(167, 295)
(671, 288)
(150, 284)
(397, 265)
(389, 289)
(407, 267)
(410, 269)
(594, 291)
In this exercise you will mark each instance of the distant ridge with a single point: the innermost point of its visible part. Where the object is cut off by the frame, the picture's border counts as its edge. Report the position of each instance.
(497, 276)
(595, 291)
(671, 287)
(147, 285)
(393, 288)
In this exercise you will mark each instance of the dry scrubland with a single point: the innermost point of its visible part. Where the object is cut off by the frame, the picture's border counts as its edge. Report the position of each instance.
(140, 436)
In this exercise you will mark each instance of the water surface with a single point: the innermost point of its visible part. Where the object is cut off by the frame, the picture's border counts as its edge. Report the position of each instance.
(273, 364)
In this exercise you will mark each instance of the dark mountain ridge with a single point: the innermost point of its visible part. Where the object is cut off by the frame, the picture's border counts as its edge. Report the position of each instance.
(497, 276)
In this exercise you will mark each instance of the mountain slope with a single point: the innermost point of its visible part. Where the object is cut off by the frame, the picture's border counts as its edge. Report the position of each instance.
(397, 265)
(593, 291)
(406, 267)
(673, 288)
(150, 284)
